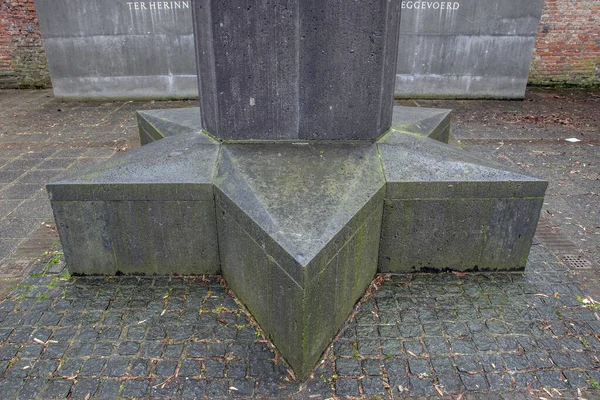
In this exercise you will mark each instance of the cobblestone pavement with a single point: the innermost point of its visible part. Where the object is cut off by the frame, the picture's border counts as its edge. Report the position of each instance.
(42, 139)
(520, 335)
(489, 335)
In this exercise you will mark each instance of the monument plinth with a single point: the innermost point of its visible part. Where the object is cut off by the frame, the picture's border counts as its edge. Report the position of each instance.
(296, 179)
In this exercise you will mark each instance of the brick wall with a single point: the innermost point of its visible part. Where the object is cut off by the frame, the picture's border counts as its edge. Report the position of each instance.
(23, 62)
(568, 44)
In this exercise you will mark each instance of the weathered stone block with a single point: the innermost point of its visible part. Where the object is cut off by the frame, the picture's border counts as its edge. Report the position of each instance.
(299, 231)
(150, 211)
(302, 226)
(154, 125)
(445, 209)
(429, 122)
(138, 237)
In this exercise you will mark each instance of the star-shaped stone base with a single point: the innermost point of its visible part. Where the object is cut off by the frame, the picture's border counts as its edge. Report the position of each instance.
(298, 229)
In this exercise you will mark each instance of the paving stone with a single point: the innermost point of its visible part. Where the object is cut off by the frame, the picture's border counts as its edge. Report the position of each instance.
(104, 349)
(129, 348)
(539, 360)
(70, 367)
(391, 347)
(369, 347)
(371, 367)
(109, 389)
(243, 388)
(8, 351)
(44, 368)
(215, 369)
(523, 380)
(216, 350)
(476, 382)
(515, 362)
(31, 388)
(344, 348)
(135, 389)
(218, 389)
(93, 366)
(190, 368)
(436, 345)
(499, 382)
(238, 351)
(10, 387)
(194, 388)
(551, 379)
(169, 389)
(492, 363)
(463, 346)
(84, 388)
(449, 383)
(410, 331)
(419, 366)
(442, 365)
(414, 347)
(19, 369)
(467, 363)
(346, 387)
(422, 385)
(165, 368)
(348, 367)
(116, 367)
(153, 349)
(140, 367)
(57, 389)
(372, 386)
(21, 335)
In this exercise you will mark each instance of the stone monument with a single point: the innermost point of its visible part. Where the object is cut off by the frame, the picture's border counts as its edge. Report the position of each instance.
(297, 178)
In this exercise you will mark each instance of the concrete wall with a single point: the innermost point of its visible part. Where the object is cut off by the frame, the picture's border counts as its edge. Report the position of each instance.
(119, 48)
(466, 48)
(144, 49)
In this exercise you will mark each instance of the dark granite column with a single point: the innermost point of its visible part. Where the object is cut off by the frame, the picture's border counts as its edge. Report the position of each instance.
(296, 69)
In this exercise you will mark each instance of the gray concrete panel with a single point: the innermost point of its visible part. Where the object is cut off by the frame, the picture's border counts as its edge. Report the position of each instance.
(108, 49)
(118, 56)
(65, 18)
(105, 48)
(471, 17)
(184, 163)
(126, 87)
(493, 56)
(292, 218)
(450, 86)
(470, 48)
